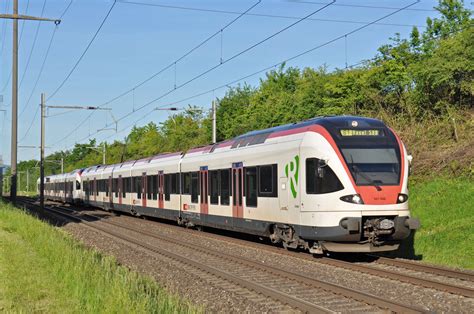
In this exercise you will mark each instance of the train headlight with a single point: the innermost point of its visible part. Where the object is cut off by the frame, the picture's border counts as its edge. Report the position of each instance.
(353, 198)
(402, 198)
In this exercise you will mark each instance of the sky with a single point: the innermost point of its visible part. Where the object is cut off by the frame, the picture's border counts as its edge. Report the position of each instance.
(138, 40)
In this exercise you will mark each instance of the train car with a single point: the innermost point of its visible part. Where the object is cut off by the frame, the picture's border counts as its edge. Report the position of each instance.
(64, 187)
(73, 186)
(327, 184)
(90, 181)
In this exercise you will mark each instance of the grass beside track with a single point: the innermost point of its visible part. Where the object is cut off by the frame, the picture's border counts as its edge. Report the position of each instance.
(43, 269)
(445, 207)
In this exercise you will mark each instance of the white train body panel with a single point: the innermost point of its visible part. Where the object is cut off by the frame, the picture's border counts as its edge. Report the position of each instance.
(337, 183)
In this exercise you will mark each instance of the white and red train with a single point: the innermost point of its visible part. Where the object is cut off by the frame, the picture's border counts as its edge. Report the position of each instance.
(327, 184)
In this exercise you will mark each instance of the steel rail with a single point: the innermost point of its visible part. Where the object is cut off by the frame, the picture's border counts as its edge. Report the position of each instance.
(330, 287)
(464, 291)
(381, 273)
(428, 283)
(436, 270)
(278, 296)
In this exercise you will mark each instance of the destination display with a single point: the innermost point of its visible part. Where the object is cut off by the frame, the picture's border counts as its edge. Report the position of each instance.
(360, 132)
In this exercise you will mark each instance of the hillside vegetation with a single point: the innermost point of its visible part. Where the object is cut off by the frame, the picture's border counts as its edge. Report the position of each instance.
(445, 209)
(421, 86)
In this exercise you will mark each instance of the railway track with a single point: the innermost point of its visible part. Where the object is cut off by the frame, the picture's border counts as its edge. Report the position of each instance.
(284, 287)
(401, 276)
(436, 270)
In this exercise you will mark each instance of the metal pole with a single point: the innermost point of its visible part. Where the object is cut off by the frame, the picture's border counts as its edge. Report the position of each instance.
(43, 97)
(214, 131)
(62, 165)
(27, 180)
(14, 106)
(103, 154)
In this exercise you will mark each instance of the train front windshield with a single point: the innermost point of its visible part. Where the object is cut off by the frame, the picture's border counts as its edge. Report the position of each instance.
(372, 154)
(373, 166)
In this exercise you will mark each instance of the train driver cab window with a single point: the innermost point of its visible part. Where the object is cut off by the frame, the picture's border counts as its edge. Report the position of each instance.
(251, 186)
(320, 178)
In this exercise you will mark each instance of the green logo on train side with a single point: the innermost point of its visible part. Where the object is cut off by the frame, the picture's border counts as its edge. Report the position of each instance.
(292, 170)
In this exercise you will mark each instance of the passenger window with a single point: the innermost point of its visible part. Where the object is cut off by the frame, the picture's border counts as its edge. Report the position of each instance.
(214, 186)
(251, 186)
(174, 183)
(78, 185)
(194, 187)
(225, 186)
(320, 179)
(150, 186)
(115, 187)
(168, 184)
(267, 177)
(186, 183)
(127, 185)
(154, 191)
(138, 186)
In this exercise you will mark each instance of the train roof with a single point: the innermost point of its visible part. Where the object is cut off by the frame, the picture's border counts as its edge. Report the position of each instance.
(329, 122)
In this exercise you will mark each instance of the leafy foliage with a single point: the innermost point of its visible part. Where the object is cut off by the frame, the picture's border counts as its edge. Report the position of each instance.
(410, 82)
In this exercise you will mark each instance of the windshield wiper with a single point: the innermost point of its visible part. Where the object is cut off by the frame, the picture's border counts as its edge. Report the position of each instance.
(363, 175)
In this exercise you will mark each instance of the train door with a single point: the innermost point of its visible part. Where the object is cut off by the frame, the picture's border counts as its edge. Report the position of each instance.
(237, 190)
(120, 188)
(161, 189)
(203, 186)
(144, 189)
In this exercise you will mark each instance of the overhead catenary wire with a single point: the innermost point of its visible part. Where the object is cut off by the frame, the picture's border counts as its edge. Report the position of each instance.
(283, 61)
(83, 53)
(65, 10)
(44, 60)
(36, 83)
(228, 60)
(365, 6)
(19, 42)
(33, 120)
(213, 67)
(4, 29)
(154, 75)
(172, 64)
(187, 8)
(31, 125)
(32, 47)
(40, 72)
